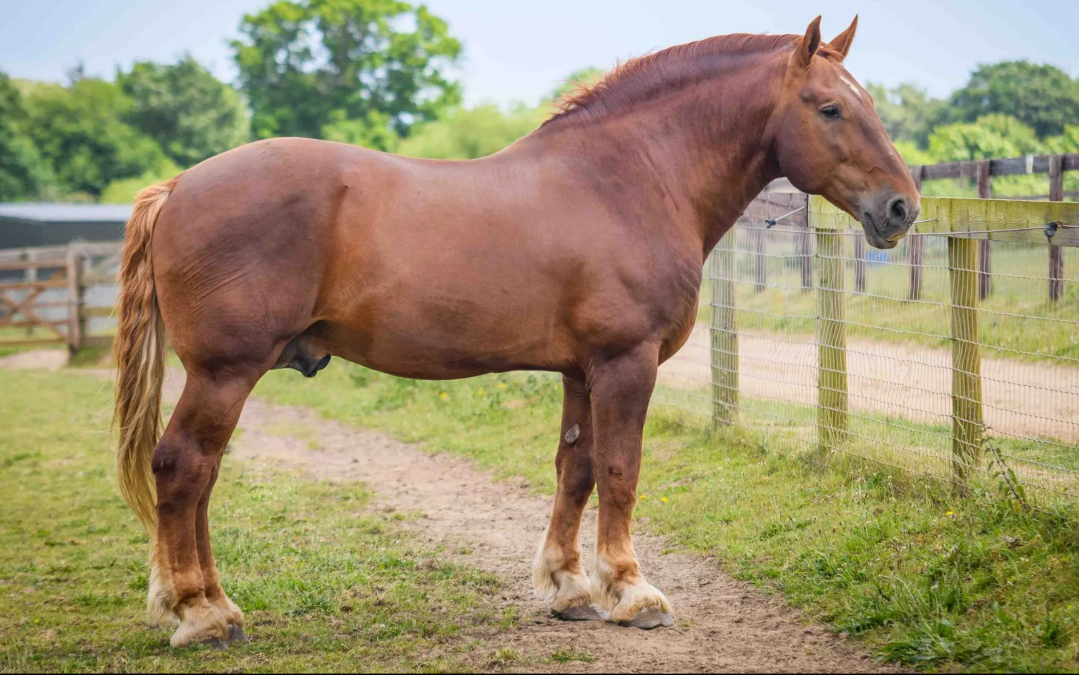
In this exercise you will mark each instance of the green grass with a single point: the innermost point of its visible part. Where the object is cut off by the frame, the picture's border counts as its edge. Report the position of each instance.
(920, 576)
(12, 335)
(919, 447)
(326, 584)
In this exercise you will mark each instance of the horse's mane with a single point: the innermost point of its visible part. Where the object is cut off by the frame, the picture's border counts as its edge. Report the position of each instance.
(648, 76)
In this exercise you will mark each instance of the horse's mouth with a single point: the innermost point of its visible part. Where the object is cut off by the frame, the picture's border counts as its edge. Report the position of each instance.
(873, 235)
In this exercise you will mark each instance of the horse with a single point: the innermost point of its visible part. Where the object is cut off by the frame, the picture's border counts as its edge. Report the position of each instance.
(578, 249)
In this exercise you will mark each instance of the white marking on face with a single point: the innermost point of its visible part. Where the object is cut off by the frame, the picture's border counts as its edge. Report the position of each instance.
(853, 87)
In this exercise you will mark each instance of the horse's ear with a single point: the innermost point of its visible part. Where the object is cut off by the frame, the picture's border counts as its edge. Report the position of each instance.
(807, 47)
(841, 43)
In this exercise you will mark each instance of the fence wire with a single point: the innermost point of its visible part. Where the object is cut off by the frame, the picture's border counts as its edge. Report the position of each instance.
(815, 340)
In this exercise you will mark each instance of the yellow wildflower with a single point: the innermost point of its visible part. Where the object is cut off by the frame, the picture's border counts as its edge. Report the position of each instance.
(443, 396)
(663, 499)
(501, 385)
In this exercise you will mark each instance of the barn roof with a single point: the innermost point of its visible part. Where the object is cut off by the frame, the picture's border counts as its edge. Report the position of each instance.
(44, 213)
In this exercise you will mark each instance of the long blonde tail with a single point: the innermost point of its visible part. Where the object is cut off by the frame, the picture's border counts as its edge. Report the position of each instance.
(139, 354)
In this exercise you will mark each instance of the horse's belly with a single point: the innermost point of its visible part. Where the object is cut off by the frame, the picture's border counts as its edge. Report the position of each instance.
(431, 340)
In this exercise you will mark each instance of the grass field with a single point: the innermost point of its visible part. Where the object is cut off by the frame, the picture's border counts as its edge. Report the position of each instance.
(327, 585)
(923, 578)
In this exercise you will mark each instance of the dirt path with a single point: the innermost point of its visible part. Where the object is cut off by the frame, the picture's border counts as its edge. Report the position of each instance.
(722, 625)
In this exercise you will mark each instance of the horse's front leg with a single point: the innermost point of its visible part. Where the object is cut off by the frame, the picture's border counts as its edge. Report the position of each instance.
(556, 572)
(620, 391)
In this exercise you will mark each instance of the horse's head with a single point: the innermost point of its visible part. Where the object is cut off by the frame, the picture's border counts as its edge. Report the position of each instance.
(829, 141)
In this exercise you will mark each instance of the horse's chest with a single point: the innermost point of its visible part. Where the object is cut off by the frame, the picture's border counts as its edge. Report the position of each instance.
(679, 330)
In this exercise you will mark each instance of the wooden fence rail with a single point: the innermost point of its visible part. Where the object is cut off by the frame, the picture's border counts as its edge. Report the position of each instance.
(982, 171)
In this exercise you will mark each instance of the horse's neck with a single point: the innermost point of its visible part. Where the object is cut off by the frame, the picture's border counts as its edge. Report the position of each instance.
(705, 146)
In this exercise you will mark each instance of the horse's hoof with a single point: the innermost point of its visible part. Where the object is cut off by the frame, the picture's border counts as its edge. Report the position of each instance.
(216, 643)
(580, 613)
(236, 634)
(649, 619)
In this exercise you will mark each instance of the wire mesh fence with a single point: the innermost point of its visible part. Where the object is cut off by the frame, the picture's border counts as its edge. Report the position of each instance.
(823, 345)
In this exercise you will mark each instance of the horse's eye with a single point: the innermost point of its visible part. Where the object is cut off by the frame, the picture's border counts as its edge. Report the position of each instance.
(830, 111)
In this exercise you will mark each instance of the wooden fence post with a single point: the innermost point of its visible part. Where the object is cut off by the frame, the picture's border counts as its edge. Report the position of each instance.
(916, 244)
(805, 250)
(31, 276)
(859, 265)
(1056, 253)
(966, 357)
(75, 324)
(724, 333)
(832, 341)
(761, 270)
(985, 250)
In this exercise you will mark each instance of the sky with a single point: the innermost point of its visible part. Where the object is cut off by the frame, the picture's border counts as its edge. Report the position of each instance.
(518, 51)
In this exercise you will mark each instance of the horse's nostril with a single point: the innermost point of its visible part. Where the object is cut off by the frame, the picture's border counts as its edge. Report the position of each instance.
(899, 209)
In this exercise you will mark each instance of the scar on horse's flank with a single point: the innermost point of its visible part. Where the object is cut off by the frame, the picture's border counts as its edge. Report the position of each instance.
(558, 254)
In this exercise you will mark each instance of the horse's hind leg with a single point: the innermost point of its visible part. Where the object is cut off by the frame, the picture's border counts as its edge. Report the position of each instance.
(556, 572)
(184, 465)
(210, 578)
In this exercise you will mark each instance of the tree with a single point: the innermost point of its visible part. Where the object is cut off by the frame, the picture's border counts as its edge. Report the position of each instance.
(907, 111)
(1065, 143)
(471, 133)
(185, 109)
(80, 131)
(1041, 96)
(308, 64)
(24, 174)
(989, 137)
(584, 77)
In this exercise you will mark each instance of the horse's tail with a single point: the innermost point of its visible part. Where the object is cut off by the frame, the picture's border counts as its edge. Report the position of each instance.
(139, 354)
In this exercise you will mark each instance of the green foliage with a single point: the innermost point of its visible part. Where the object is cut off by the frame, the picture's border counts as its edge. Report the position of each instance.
(308, 66)
(912, 154)
(990, 136)
(579, 78)
(1042, 97)
(185, 109)
(123, 191)
(907, 111)
(470, 133)
(80, 131)
(23, 172)
(374, 130)
(1064, 143)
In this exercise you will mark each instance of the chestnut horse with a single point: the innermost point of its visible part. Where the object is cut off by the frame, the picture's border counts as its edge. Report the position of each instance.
(578, 250)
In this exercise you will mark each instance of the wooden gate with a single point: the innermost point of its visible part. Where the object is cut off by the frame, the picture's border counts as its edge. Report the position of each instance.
(43, 294)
